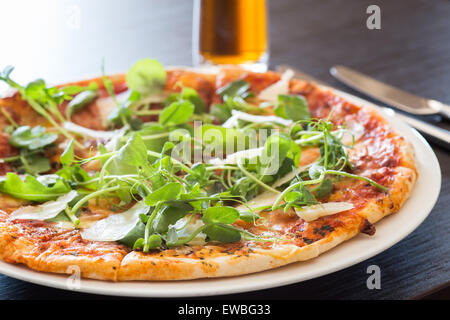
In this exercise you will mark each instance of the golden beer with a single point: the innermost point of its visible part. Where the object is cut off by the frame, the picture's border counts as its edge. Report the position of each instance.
(231, 32)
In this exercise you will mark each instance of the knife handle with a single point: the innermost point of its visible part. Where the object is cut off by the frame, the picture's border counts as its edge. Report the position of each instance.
(435, 134)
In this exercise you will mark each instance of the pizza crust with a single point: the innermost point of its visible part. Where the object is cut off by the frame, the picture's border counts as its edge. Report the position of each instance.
(138, 266)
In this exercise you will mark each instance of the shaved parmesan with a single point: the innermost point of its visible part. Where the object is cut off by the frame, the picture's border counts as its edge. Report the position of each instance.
(356, 131)
(235, 157)
(83, 131)
(316, 211)
(281, 87)
(107, 105)
(155, 98)
(47, 210)
(116, 226)
(193, 225)
(239, 115)
(266, 198)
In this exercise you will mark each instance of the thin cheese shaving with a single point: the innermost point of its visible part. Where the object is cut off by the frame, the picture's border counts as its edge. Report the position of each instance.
(116, 226)
(239, 115)
(83, 131)
(46, 210)
(107, 105)
(193, 225)
(281, 87)
(235, 157)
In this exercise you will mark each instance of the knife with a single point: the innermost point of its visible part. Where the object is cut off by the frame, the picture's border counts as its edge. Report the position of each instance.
(433, 133)
(392, 96)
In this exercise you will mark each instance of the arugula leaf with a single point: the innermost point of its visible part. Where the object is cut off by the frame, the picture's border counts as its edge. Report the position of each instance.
(221, 139)
(195, 192)
(277, 148)
(169, 191)
(222, 112)
(31, 139)
(324, 189)
(32, 189)
(222, 233)
(133, 235)
(80, 101)
(248, 216)
(74, 89)
(36, 90)
(226, 215)
(300, 196)
(75, 175)
(31, 143)
(198, 174)
(122, 114)
(48, 97)
(238, 88)
(67, 157)
(292, 107)
(134, 152)
(33, 163)
(172, 236)
(146, 76)
(152, 135)
(191, 95)
(176, 113)
(167, 216)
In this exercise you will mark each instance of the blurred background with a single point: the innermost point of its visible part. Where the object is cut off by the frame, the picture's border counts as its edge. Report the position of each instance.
(62, 40)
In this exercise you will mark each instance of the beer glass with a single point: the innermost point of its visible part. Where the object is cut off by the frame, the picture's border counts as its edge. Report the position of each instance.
(230, 32)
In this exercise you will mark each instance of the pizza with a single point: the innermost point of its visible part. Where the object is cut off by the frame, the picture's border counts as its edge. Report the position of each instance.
(177, 173)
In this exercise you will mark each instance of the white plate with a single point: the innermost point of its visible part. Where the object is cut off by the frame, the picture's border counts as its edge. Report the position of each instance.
(390, 230)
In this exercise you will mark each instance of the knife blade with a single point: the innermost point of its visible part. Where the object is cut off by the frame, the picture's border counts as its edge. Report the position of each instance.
(400, 99)
(433, 133)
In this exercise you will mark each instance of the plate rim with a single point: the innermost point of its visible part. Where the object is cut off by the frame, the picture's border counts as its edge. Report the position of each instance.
(59, 281)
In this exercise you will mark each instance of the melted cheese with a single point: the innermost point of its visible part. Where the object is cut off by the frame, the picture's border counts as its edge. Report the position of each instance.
(316, 211)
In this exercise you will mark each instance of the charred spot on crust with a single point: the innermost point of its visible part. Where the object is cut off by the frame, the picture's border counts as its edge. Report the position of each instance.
(368, 228)
(55, 165)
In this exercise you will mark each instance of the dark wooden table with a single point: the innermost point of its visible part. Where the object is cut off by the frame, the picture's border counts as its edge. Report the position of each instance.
(66, 40)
